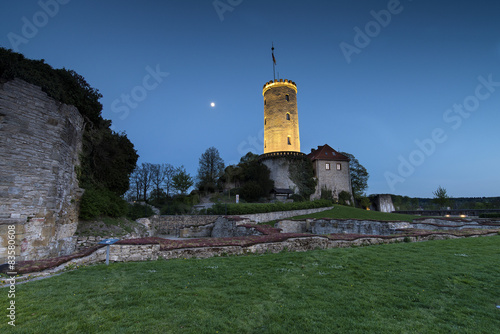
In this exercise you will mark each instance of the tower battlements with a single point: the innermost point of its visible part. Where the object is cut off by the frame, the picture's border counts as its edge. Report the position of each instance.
(278, 83)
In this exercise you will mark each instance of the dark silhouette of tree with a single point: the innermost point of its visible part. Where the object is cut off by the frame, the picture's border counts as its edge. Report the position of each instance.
(145, 179)
(210, 170)
(169, 174)
(182, 181)
(253, 176)
(441, 198)
(157, 179)
(359, 176)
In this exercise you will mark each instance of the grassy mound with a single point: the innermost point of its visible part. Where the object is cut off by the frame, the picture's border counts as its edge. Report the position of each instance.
(348, 212)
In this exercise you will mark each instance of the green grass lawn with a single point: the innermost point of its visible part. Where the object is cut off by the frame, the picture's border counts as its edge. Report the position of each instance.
(348, 212)
(449, 286)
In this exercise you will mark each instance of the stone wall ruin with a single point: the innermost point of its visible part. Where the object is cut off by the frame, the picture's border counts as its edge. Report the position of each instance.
(40, 143)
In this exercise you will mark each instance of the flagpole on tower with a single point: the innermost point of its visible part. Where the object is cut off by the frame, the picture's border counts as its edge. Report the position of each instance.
(274, 62)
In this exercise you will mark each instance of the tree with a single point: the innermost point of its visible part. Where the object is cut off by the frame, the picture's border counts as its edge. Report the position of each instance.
(169, 174)
(257, 173)
(210, 170)
(135, 184)
(365, 202)
(108, 159)
(344, 198)
(182, 181)
(359, 176)
(145, 179)
(250, 170)
(441, 198)
(157, 178)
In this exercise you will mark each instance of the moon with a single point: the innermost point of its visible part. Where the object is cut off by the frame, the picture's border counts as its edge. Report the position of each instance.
(212, 104)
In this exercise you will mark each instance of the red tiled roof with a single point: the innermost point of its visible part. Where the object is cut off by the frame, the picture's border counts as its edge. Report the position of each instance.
(325, 152)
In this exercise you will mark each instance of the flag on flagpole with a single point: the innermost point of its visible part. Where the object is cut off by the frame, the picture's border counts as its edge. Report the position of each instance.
(274, 59)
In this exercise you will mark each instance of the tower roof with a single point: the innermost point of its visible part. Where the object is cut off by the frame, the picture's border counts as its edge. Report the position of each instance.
(325, 152)
(278, 83)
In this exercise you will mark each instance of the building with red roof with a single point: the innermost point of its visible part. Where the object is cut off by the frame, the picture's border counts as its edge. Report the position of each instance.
(331, 170)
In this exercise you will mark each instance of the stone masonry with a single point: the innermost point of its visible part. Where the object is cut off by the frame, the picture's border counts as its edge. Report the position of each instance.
(40, 142)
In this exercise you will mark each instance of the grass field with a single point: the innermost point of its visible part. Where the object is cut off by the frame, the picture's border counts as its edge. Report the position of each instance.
(449, 286)
(348, 212)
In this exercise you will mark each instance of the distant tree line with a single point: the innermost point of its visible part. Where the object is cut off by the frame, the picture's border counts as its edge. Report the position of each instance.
(441, 200)
(151, 182)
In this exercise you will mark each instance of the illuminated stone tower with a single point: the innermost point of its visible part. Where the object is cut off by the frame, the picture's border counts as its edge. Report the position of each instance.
(281, 134)
(281, 119)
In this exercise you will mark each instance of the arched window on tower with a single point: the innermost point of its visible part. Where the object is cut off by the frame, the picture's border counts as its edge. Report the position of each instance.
(264, 101)
(288, 140)
(265, 120)
(287, 97)
(287, 116)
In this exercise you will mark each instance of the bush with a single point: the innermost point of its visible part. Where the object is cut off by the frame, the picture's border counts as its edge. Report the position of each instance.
(251, 191)
(242, 209)
(136, 211)
(344, 197)
(175, 208)
(297, 198)
(326, 193)
(364, 202)
(101, 202)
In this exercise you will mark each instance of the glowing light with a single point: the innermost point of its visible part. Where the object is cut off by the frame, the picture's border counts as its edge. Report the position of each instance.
(212, 104)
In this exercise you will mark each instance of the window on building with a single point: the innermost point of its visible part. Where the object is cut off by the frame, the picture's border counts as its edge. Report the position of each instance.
(288, 140)
(327, 166)
(265, 144)
(265, 120)
(287, 97)
(339, 166)
(264, 101)
(287, 116)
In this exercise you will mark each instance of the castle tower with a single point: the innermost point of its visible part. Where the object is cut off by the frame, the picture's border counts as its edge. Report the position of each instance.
(281, 134)
(281, 119)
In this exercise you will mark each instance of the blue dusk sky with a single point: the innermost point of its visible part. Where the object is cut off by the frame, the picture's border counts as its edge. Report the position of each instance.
(411, 88)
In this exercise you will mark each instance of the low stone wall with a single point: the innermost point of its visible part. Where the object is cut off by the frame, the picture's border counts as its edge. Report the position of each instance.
(366, 227)
(203, 231)
(294, 226)
(270, 216)
(335, 226)
(222, 227)
(189, 226)
(89, 241)
(369, 227)
(126, 253)
(171, 225)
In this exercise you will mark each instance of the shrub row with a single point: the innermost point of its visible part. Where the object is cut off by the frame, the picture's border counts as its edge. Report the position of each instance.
(247, 208)
(103, 202)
